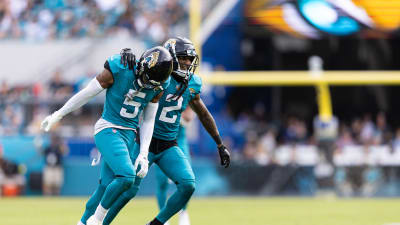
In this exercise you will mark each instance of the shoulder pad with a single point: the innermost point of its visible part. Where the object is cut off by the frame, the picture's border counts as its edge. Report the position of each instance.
(195, 84)
(115, 63)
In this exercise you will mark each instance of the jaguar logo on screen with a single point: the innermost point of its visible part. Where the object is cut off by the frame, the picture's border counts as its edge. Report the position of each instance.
(316, 18)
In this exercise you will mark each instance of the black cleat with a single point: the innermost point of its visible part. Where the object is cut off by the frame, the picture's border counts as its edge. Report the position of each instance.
(155, 222)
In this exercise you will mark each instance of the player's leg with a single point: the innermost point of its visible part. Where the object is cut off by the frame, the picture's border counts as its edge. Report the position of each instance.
(125, 197)
(121, 201)
(162, 187)
(177, 167)
(106, 176)
(115, 153)
(184, 146)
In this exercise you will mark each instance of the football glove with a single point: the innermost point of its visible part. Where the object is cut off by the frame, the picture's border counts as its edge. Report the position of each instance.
(224, 156)
(50, 120)
(144, 165)
(128, 58)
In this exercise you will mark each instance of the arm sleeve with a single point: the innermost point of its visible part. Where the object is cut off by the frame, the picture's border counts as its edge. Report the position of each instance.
(147, 127)
(81, 98)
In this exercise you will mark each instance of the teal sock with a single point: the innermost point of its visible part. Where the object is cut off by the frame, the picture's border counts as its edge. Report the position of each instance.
(92, 203)
(184, 207)
(121, 201)
(177, 201)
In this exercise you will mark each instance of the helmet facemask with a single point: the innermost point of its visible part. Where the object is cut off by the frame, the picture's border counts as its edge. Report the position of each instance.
(179, 48)
(184, 73)
(145, 82)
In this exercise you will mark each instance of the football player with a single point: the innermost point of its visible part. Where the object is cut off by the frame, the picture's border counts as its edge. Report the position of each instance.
(184, 90)
(162, 180)
(129, 92)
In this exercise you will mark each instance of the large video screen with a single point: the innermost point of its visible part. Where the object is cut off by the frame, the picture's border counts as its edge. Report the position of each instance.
(316, 18)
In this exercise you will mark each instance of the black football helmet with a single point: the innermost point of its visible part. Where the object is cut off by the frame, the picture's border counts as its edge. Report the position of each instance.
(154, 67)
(182, 47)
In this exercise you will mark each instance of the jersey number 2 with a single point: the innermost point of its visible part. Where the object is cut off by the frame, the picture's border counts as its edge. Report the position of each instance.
(165, 110)
(129, 101)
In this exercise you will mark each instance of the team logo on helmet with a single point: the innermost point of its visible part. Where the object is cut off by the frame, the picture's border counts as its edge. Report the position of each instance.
(171, 42)
(152, 59)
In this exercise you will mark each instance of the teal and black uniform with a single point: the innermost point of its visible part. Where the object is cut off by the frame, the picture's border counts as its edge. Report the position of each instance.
(115, 134)
(165, 152)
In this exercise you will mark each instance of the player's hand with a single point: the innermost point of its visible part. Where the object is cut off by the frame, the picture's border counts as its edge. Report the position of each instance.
(224, 156)
(144, 165)
(50, 120)
(128, 58)
(172, 51)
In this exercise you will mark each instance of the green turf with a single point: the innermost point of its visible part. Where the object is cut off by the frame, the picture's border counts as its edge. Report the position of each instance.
(218, 211)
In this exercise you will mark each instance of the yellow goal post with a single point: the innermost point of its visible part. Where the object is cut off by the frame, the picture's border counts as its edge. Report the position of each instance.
(321, 81)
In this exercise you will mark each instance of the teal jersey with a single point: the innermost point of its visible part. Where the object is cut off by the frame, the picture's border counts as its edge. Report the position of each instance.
(169, 111)
(119, 109)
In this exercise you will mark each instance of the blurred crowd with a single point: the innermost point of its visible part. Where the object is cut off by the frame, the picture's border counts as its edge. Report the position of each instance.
(42, 20)
(261, 138)
(23, 107)
(12, 181)
(364, 157)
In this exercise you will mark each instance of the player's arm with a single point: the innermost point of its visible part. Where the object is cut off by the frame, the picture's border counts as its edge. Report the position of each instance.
(146, 133)
(95, 86)
(208, 122)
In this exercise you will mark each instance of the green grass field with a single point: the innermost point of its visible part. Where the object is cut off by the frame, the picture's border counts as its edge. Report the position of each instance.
(207, 211)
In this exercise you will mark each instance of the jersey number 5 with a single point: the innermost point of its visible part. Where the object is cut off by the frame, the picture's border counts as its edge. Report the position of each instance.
(129, 101)
(165, 110)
